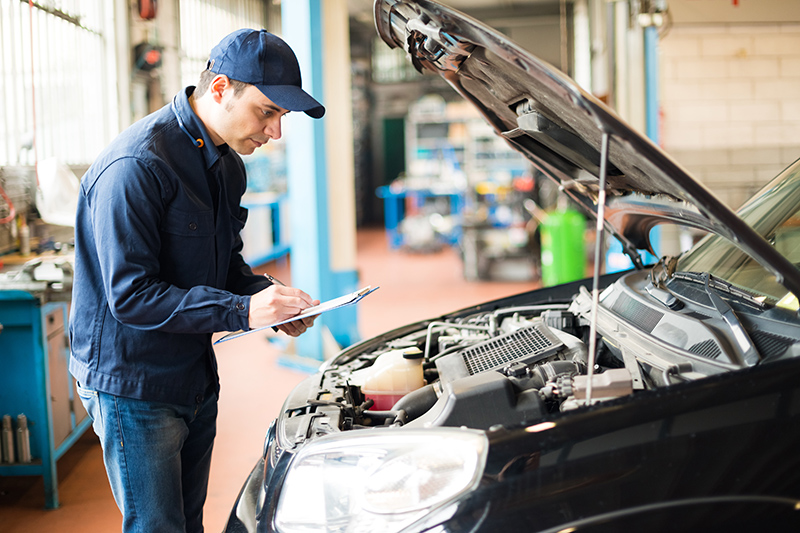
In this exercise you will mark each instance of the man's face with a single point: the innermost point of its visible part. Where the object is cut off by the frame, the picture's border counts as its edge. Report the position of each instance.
(248, 120)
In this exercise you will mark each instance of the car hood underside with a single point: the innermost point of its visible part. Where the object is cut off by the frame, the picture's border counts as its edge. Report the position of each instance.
(562, 129)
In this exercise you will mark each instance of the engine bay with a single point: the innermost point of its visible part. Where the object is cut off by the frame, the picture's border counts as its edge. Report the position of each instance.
(517, 364)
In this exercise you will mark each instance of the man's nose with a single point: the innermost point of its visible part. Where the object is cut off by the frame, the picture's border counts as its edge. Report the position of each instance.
(273, 129)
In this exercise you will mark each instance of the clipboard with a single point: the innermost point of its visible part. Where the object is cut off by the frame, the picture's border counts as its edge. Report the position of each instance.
(330, 305)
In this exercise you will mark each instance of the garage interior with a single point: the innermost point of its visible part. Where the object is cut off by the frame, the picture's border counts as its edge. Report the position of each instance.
(418, 196)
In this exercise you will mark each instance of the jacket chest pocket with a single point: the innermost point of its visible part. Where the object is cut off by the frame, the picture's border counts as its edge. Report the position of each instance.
(186, 224)
(188, 250)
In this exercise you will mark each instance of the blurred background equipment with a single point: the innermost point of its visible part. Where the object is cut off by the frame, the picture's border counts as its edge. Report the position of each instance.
(463, 186)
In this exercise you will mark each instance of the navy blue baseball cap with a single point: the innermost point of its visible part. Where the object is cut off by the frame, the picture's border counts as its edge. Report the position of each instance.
(262, 59)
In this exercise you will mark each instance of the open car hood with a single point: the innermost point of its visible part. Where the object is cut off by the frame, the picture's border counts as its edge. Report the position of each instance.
(543, 114)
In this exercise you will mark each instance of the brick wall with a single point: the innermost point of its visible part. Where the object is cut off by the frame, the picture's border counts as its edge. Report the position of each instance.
(730, 97)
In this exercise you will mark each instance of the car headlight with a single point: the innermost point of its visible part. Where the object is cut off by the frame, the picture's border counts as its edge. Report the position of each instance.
(378, 480)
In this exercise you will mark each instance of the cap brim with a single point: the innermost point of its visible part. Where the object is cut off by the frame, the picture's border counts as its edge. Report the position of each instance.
(293, 98)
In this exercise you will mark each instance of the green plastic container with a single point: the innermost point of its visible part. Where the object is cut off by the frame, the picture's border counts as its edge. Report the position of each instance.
(563, 250)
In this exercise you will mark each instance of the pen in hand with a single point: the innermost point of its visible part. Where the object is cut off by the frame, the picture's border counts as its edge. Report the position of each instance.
(275, 281)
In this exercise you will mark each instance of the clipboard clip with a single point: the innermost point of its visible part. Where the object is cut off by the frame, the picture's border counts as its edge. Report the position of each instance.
(366, 290)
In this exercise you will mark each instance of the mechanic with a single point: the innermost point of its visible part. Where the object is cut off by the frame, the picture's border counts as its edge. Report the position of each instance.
(158, 270)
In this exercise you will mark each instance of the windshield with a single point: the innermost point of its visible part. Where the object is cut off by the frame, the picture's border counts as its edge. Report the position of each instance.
(775, 214)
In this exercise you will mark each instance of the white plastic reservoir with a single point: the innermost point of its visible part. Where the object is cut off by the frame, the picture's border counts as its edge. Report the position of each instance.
(393, 375)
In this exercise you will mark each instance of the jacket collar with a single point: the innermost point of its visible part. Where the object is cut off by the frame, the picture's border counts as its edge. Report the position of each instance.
(194, 129)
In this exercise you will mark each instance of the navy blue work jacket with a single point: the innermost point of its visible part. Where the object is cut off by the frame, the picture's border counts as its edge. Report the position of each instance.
(158, 264)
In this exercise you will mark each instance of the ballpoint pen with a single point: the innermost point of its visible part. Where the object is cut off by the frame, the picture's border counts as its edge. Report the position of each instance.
(274, 280)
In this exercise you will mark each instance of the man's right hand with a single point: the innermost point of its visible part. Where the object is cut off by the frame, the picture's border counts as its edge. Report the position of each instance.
(277, 303)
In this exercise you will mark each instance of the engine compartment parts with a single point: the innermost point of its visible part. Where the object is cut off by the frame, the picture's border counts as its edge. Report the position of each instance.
(517, 364)
(393, 375)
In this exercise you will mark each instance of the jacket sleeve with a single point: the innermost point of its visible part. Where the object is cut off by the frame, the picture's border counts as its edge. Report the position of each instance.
(150, 284)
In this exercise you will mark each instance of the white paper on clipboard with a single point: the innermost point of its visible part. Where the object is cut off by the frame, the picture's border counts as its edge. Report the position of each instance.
(330, 305)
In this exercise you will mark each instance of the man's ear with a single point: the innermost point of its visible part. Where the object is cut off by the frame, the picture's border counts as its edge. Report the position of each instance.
(218, 86)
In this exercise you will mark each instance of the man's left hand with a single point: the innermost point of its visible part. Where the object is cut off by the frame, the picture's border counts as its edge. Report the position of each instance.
(297, 327)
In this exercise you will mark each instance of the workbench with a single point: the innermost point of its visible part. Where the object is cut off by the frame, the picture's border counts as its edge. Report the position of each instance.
(34, 379)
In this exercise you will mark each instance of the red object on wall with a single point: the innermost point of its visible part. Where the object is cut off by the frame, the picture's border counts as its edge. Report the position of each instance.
(148, 8)
(147, 56)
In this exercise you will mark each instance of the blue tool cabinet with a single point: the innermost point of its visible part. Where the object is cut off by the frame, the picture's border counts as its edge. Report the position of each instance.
(394, 205)
(34, 380)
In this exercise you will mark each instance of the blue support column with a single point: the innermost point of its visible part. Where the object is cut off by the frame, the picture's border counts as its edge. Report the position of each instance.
(616, 260)
(305, 146)
(652, 109)
(651, 83)
(308, 176)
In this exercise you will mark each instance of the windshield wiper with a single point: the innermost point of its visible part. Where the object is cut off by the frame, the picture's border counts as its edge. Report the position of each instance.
(662, 271)
(721, 285)
(746, 346)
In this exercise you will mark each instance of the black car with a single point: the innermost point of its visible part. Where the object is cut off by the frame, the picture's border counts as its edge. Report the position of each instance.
(665, 398)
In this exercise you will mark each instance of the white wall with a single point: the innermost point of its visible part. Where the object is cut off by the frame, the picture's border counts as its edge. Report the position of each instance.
(731, 102)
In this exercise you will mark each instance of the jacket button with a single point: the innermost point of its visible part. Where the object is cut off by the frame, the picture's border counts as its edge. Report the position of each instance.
(192, 226)
(198, 398)
(240, 306)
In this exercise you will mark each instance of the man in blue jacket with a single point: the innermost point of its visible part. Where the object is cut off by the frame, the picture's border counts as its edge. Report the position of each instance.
(158, 270)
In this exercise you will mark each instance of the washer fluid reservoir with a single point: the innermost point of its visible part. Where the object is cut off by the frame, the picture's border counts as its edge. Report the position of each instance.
(393, 375)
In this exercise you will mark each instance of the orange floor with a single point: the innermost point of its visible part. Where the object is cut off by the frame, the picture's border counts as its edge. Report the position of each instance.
(254, 384)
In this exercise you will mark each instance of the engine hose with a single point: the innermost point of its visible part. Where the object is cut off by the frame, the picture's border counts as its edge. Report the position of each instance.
(417, 403)
(566, 367)
(551, 370)
(395, 416)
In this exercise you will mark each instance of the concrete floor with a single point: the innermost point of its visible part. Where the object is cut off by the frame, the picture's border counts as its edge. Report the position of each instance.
(254, 384)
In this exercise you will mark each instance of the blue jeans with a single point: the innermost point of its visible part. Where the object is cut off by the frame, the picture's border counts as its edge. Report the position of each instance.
(157, 456)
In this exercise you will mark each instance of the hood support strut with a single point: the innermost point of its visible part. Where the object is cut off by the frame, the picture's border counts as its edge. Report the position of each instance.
(598, 247)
